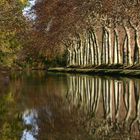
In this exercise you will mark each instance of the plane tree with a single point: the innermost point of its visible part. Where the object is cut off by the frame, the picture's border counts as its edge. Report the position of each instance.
(94, 32)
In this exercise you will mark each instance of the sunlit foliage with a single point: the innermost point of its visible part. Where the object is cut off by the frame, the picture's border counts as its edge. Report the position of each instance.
(11, 29)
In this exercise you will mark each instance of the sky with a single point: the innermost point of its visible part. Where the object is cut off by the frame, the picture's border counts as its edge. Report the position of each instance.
(30, 118)
(28, 11)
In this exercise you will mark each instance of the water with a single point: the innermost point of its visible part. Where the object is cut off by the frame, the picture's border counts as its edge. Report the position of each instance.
(40, 106)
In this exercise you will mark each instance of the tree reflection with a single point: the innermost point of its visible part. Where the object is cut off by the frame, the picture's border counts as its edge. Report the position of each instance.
(114, 101)
(10, 120)
(36, 106)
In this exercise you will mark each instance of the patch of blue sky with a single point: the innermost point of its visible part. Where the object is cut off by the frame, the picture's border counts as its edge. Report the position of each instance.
(28, 12)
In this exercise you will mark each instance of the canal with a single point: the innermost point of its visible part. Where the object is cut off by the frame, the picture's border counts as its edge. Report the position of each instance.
(56, 106)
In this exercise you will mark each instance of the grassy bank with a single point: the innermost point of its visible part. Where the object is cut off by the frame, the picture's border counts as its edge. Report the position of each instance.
(105, 72)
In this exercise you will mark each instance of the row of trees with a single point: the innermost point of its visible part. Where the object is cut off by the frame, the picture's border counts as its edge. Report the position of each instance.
(119, 45)
(93, 32)
(110, 38)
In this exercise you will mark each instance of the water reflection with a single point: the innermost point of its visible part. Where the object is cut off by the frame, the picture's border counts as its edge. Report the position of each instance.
(28, 11)
(40, 106)
(30, 119)
(115, 100)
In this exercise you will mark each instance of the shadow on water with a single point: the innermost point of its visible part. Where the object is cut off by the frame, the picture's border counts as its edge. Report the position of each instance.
(40, 106)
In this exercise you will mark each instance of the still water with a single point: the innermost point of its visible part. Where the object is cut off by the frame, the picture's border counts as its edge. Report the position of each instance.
(40, 106)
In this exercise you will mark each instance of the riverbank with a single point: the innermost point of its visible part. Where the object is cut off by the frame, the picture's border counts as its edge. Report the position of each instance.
(105, 72)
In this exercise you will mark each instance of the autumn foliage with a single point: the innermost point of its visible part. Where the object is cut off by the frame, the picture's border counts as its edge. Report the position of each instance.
(104, 31)
(60, 23)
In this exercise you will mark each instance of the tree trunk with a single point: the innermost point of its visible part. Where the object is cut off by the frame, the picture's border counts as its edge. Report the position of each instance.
(130, 43)
(111, 39)
(120, 33)
(116, 55)
(69, 57)
(96, 48)
(106, 48)
(137, 40)
(93, 53)
(88, 48)
(73, 57)
(98, 35)
(138, 43)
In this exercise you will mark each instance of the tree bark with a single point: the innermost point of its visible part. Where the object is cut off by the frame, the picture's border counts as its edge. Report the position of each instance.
(98, 35)
(130, 43)
(111, 43)
(121, 35)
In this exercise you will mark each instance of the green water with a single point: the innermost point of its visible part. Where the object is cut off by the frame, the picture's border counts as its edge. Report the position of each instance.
(40, 106)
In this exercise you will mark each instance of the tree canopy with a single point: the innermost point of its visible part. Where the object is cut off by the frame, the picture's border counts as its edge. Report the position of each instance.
(57, 22)
(12, 29)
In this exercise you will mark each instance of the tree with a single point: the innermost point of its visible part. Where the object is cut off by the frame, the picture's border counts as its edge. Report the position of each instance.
(98, 32)
(12, 28)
